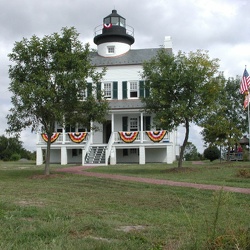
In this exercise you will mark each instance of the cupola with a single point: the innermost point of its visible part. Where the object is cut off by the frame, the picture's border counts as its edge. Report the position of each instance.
(113, 37)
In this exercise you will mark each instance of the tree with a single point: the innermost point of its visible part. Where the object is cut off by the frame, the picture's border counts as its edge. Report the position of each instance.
(182, 89)
(191, 152)
(49, 79)
(12, 146)
(228, 122)
(212, 153)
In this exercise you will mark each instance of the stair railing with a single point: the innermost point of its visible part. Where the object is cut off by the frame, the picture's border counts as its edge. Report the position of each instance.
(87, 146)
(108, 149)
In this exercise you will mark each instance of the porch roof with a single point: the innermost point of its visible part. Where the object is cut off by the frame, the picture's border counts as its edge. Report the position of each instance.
(126, 104)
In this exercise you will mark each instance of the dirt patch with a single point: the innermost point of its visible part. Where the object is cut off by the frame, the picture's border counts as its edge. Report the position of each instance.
(131, 228)
(25, 203)
(197, 162)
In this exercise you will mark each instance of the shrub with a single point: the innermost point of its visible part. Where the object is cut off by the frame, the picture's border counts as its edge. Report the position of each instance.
(15, 157)
(212, 153)
(244, 173)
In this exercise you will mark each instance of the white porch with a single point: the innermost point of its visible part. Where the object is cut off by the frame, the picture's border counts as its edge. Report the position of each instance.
(108, 144)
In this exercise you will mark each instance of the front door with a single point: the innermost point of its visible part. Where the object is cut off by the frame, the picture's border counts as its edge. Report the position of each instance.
(106, 131)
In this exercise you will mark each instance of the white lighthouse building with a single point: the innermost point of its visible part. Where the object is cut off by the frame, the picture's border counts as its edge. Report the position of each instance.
(128, 134)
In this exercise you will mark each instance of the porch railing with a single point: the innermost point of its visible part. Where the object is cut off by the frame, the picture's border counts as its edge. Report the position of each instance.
(142, 137)
(63, 138)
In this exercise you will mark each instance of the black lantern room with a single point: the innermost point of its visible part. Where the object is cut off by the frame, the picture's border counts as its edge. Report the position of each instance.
(114, 29)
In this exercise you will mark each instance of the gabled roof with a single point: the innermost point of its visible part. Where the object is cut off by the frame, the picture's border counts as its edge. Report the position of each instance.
(132, 57)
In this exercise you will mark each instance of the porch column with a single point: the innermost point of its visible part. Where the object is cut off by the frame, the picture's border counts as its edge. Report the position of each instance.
(141, 128)
(64, 156)
(39, 156)
(113, 156)
(169, 154)
(112, 122)
(64, 135)
(91, 131)
(142, 156)
(38, 136)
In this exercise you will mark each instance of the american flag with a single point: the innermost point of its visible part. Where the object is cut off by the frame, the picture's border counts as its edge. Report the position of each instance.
(245, 82)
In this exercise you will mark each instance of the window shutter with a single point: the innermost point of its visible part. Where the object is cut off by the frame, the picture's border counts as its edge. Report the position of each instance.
(89, 89)
(99, 91)
(124, 123)
(141, 88)
(147, 90)
(124, 90)
(115, 90)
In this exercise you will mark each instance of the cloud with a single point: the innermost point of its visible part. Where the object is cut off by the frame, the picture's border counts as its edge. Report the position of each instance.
(217, 26)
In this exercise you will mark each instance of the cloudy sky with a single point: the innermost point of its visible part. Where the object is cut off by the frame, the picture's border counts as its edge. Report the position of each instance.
(219, 26)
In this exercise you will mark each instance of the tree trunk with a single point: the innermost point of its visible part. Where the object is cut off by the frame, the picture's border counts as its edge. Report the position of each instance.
(47, 160)
(184, 143)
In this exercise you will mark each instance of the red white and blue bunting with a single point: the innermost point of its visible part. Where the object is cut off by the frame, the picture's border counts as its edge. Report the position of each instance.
(107, 25)
(77, 137)
(156, 136)
(128, 137)
(53, 138)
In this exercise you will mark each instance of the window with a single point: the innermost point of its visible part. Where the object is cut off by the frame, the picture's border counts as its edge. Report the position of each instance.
(83, 94)
(133, 151)
(133, 89)
(115, 20)
(74, 152)
(122, 22)
(107, 20)
(69, 128)
(107, 89)
(111, 49)
(133, 124)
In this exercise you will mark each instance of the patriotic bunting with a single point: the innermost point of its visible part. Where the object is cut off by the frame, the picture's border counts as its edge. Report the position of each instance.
(77, 137)
(53, 138)
(156, 136)
(107, 26)
(128, 137)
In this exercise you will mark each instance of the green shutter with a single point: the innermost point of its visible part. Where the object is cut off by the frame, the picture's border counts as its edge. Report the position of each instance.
(148, 122)
(124, 90)
(115, 90)
(141, 89)
(99, 91)
(147, 90)
(124, 123)
(89, 89)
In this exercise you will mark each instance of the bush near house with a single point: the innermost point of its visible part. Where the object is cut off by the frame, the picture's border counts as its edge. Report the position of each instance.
(212, 153)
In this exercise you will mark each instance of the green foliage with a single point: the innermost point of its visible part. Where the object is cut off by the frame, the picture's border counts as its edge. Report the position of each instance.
(225, 238)
(183, 89)
(212, 153)
(226, 125)
(49, 79)
(12, 149)
(15, 157)
(190, 152)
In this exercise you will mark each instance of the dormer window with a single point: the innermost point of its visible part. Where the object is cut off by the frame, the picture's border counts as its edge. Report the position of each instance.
(111, 49)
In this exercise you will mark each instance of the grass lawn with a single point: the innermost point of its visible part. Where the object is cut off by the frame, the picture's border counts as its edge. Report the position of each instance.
(216, 173)
(66, 211)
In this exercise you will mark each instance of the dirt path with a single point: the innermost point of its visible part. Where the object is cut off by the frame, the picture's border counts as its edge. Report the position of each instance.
(80, 170)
